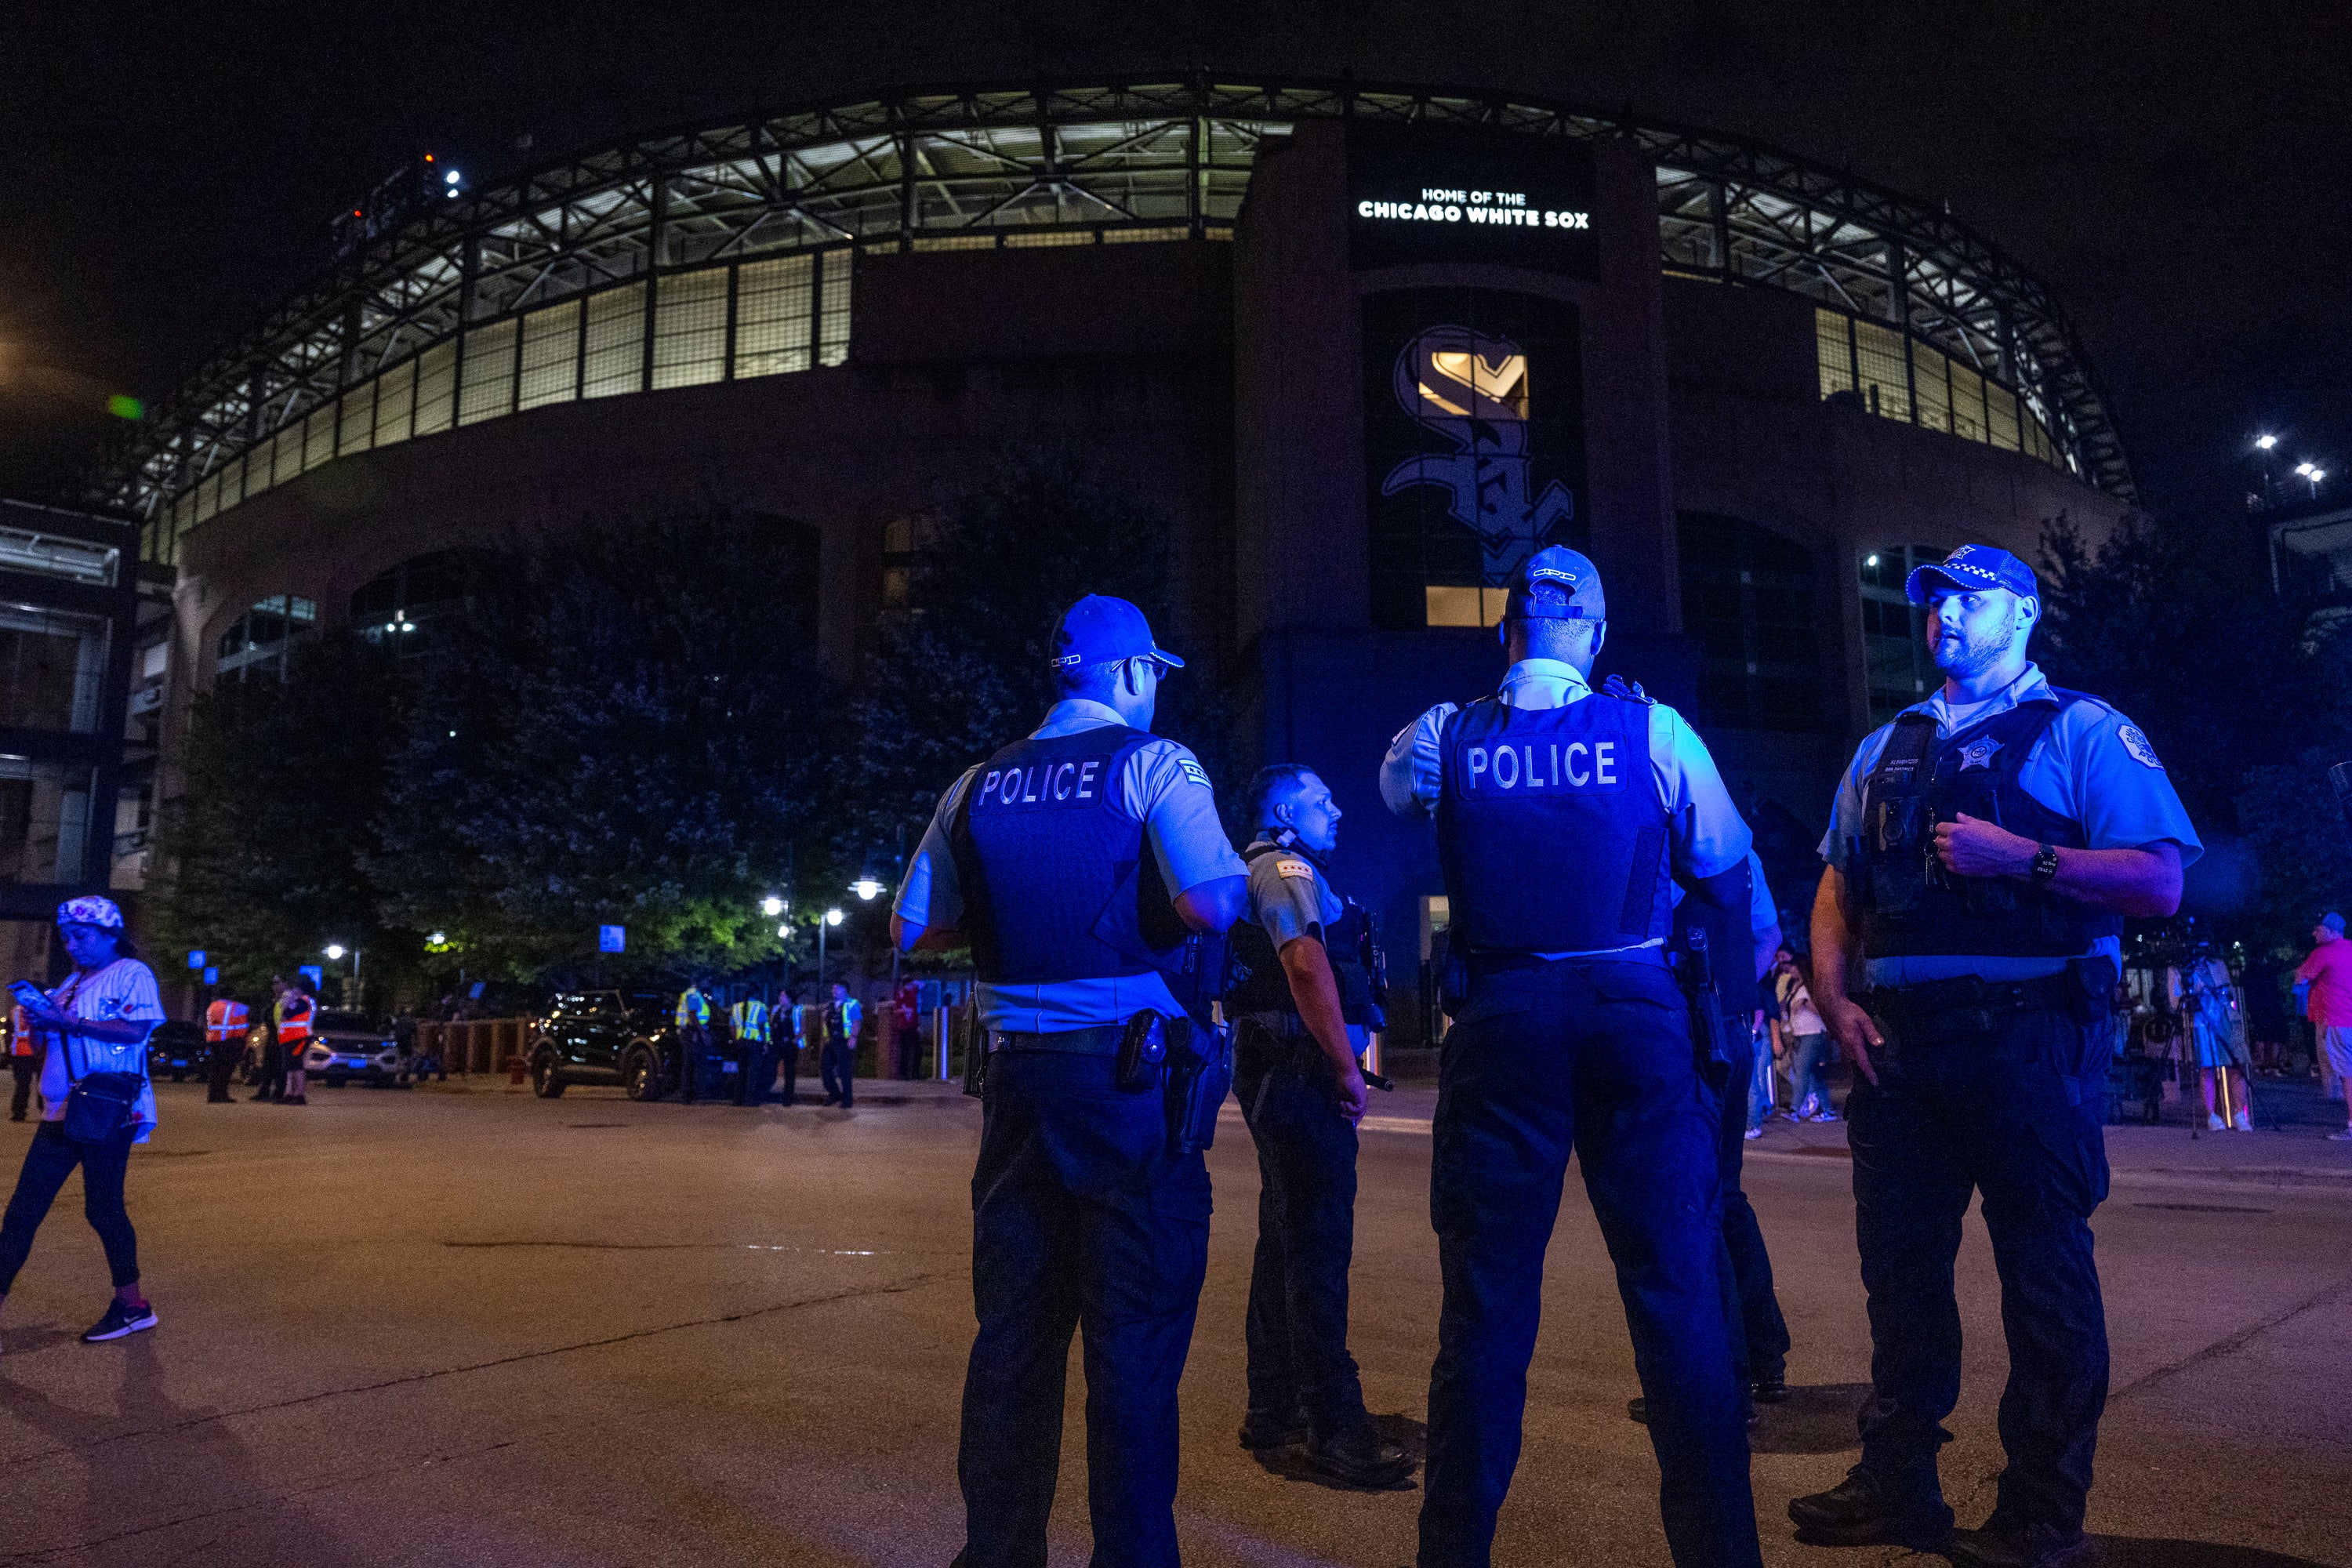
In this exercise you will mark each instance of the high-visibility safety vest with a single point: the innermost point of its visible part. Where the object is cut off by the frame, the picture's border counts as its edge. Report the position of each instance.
(692, 1008)
(293, 1018)
(20, 1033)
(750, 1019)
(226, 1020)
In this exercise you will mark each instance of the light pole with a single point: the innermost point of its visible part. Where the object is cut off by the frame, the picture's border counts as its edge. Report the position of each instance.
(832, 917)
(2312, 472)
(334, 951)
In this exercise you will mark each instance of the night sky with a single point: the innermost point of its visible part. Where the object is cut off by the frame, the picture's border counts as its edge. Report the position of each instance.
(2180, 173)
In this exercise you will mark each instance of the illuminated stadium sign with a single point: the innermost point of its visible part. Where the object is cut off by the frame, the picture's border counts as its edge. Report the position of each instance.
(1419, 195)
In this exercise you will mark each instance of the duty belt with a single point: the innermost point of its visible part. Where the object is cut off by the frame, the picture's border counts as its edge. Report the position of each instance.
(1653, 956)
(1102, 1040)
(1940, 1010)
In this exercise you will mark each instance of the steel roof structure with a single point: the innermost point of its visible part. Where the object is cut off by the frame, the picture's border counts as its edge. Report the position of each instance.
(1161, 159)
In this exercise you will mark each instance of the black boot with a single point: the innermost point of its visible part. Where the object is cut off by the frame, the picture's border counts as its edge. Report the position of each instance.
(1869, 1508)
(1360, 1456)
(2003, 1545)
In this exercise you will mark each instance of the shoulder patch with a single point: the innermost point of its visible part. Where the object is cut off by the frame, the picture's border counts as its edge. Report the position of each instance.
(2136, 744)
(1291, 866)
(1194, 772)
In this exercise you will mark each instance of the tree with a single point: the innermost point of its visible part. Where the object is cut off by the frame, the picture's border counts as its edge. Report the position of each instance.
(263, 854)
(624, 734)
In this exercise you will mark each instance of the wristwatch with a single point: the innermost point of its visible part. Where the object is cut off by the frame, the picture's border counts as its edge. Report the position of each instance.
(2045, 864)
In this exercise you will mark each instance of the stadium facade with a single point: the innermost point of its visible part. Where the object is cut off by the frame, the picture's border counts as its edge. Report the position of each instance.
(1363, 346)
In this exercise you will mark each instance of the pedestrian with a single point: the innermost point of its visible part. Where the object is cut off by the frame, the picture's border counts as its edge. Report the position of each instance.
(693, 1021)
(1799, 1038)
(271, 1064)
(2202, 993)
(839, 1059)
(23, 1060)
(294, 1014)
(2266, 1012)
(1303, 999)
(227, 1022)
(906, 1031)
(792, 1026)
(1063, 856)
(96, 1026)
(404, 1044)
(2328, 973)
(1982, 851)
(757, 1068)
(1564, 815)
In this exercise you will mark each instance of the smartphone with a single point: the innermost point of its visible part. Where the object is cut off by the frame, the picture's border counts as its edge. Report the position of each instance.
(27, 994)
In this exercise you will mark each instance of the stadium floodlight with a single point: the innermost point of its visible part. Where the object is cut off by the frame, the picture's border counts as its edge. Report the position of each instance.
(451, 177)
(2265, 442)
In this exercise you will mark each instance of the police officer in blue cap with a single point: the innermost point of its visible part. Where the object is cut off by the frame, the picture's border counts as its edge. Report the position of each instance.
(1982, 852)
(1074, 861)
(1564, 817)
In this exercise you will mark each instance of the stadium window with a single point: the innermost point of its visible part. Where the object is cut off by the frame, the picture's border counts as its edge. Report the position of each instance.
(1455, 607)
(1883, 378)
(1748, 599)
(486, 379)
(616, 343)
(435, 379)
(52, 669)
(44, 820)
(358, 431)
(395, 401)
(259, 640)
(2000, 414)
(832, 322)
(318, 437)
(403, 610)
(775, 320)
(1896, 667)
(1833, 334)
(690, 328)
(551, 356)
(904, 538)
(1929, 371)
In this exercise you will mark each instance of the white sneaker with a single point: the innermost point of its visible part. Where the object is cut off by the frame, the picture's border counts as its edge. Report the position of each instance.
(2213, 1123)
(2343, 1137)
(1753, 1133)
(2241, 1123)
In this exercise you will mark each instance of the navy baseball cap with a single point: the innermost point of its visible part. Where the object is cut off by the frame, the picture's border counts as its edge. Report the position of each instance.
(1098, 629)
(1971, 568)
(1556, 584)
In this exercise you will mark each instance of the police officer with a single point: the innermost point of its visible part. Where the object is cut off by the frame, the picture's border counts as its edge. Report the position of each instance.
(1074, 861)
(837, 1061)
(1981, 853)
(757, 1070)
(1561, 815)
(693, 1022)
(226, 1026)
(788, 1025)
(1302, 1000)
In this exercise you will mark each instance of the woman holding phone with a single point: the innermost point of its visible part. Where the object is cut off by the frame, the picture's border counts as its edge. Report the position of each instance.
(95, 1025)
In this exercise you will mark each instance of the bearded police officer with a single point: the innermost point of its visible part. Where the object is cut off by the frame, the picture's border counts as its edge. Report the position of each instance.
(1074, 861)
(1982, 851)
(1561, 815)
(1302, 999)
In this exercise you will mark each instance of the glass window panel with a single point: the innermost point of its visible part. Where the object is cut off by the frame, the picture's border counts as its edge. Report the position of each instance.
(1748, 599)
(691, 328)
(44, 820)
(1967, 402)
(207, 498)
(1886, 385)
(773, 316)
(286, 451)
(956, 242)
(1896, 669)
(1055, 237)
(359, 420)
(2000, 405)
(396, 401)
(550, 356)
(183, 514)
(232, 483)
(485, 378)
(1835, 350)
(832, 331)
(616, 343)
(1448, 605)
(52, 669)
(435, 376)
(1929, 373)
(318, 437)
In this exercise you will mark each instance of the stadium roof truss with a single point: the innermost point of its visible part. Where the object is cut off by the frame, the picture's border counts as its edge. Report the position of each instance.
(1170, 160)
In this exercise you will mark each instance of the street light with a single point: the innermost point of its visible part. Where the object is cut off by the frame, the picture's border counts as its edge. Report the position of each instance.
(2265, 443)
(335, 949)
(771, 906)
(833, 917)
(866, 887)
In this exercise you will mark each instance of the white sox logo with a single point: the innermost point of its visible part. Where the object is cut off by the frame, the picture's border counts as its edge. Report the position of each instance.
(1473, 390)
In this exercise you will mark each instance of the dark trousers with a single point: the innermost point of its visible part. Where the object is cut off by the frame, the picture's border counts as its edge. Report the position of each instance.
(2014, 1116)
(1080, 1216)
(758, 1070)
(1759, 1334)
(1298, 1322)
(838, 1063)
(220, 1067)
(48, 1160)
(28, 1071)
(788, 1058)
(693, 1061)
(273, 1070)
(1593, 1056)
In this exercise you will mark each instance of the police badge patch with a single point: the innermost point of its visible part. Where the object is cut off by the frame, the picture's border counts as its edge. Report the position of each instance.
(1193, 771)
(1290, 868)
(2136, 744)
(1978, 753)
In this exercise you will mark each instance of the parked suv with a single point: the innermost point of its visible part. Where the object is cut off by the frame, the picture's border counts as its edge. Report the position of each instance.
(606, 1037)
(345, 1045)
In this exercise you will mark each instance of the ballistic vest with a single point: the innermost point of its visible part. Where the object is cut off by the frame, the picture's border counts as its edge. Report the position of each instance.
(1260, 985)
(1550, 829)
(224, 1020)
(1053, 875)
(692, 1008)
(293, 1018)
(1907, 904)
(750, 1020)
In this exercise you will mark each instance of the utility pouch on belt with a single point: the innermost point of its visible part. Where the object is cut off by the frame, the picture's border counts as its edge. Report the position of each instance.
(2095, 988)
(1142, 1046)
(965, 1034)
(1695, 969)
(1200, 1072)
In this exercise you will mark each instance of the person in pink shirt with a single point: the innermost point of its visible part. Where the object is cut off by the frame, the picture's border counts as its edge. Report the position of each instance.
(2328, 972)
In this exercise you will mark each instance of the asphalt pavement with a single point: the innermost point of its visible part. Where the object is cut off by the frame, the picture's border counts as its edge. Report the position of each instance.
(464, 1326)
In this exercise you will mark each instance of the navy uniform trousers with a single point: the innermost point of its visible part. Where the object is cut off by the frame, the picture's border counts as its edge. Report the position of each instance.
(1759, 1334)
(1593, 1056)
(1298, 1322)
(1081, 1218)
(2014, 1115)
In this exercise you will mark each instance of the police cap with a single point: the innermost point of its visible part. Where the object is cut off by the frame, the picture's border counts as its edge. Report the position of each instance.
(1556, 584)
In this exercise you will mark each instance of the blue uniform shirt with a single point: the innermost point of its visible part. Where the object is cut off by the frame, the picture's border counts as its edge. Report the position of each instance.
(1703, 830)
(2092, 766)
(1162, 786)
